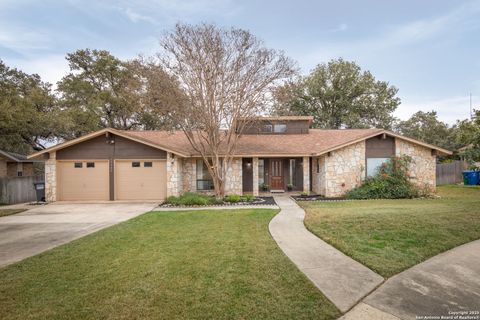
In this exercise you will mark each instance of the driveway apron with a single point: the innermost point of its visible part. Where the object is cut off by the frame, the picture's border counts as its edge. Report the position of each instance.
(445, 285)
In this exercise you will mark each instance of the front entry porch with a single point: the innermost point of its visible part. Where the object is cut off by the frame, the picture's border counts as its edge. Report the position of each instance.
(275, 175)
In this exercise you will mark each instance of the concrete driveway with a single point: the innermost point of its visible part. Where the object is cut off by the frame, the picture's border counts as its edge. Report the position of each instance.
(42, 228)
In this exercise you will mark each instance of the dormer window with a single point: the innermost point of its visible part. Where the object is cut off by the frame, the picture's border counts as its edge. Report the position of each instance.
(280, 128)
(267, 128)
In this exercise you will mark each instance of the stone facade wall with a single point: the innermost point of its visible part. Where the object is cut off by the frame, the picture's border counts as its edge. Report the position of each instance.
(344, 169)
(306, 174)
(189, 175)
(233, 183)
(51, 178)
(318, 175)
(422, 170)
(174, 175)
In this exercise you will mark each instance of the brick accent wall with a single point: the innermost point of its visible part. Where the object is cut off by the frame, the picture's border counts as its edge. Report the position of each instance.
(3, 168)
(422, 170)
(28, 170)
(51, 178)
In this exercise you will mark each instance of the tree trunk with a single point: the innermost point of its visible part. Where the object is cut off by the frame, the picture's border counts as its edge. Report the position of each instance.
(219, 186)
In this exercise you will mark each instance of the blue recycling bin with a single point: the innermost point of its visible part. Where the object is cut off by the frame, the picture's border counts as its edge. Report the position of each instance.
(471, 178)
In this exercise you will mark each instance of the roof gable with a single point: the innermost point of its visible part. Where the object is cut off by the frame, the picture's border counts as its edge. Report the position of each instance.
(98, 133)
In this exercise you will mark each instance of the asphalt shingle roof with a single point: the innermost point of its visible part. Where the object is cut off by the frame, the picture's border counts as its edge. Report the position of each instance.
(317, 141)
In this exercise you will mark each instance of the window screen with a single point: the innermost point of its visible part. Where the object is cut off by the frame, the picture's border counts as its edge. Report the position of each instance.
(135, 164)
(148, 164)
(90, 164)
(78, 165)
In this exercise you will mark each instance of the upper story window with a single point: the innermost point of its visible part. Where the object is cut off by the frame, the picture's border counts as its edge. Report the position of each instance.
(266, 128)
(280, 128)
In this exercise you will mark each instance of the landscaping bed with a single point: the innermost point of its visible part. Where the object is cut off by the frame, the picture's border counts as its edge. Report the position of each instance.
(195, 200)
(318, 198)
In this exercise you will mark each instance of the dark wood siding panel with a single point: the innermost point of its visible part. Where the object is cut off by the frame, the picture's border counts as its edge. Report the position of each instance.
(95, 148)
(98, 148)
(296, 127)
(247, 175)
(128, 149)
(378, 147)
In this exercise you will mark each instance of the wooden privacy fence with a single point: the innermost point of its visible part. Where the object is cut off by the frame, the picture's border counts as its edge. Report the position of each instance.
(450, 173)
(18, 190)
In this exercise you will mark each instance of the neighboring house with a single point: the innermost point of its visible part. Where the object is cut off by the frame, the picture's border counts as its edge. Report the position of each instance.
(271, 154)
(16, 165)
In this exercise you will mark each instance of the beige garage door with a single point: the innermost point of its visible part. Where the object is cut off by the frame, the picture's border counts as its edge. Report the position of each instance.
(140, 180)
(83, 180)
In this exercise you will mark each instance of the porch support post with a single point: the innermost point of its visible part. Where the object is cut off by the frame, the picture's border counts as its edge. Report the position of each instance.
(255, 176)
(306, 174)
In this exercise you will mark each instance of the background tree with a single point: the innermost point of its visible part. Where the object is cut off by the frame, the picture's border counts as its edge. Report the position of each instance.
(425, 126)
(468, 137)
(104, 91)
(339, 95)
(29, 117)
(225, 75)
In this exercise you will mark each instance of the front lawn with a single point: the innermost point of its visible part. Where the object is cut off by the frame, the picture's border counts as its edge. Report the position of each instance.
(166, 265)
(390, 236)
(7, 212)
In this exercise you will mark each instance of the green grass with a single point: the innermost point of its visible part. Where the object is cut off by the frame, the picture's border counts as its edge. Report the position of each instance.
(390, 236)
(166, 265)
(7, 212)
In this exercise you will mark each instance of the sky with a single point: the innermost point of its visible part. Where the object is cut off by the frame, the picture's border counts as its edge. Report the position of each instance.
(428, 49)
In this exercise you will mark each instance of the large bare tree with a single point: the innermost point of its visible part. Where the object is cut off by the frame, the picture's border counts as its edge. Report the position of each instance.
(226, 75)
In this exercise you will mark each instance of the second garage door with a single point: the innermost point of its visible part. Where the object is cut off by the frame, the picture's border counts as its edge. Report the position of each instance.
(140, 179)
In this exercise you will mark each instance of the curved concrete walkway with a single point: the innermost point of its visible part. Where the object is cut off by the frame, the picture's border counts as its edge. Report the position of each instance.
(340, 278)
(444, 285)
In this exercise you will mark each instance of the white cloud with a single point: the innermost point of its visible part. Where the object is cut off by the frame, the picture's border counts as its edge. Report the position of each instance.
(448, 109)
(136, 17)
(20, 38)
(340, 27)
(51, 68)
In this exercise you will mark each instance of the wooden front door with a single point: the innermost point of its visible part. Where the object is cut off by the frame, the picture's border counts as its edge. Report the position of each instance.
(276, 174)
